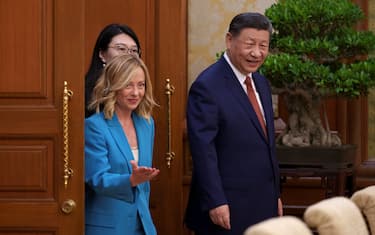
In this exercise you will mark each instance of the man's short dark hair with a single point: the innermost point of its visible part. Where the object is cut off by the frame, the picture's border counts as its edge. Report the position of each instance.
(249, 20)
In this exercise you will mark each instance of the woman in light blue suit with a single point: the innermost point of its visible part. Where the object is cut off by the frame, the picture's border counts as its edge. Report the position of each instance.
(118, 151)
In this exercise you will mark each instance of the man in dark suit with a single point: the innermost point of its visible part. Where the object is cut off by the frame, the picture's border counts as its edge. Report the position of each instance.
(235, 180)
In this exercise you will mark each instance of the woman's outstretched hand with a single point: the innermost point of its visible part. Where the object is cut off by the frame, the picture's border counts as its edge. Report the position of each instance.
(141, 174)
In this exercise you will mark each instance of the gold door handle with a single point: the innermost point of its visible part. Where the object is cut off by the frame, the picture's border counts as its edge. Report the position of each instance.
(68, 172)
(68, 206)
(169, 90)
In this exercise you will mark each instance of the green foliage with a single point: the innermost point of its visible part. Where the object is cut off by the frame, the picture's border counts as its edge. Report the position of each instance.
(318, 49)
(313, 18)
(354, 79)
(287, 70)
(353, 43)
(315, 46)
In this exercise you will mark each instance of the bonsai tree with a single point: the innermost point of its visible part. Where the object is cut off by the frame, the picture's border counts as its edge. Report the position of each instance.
(316, 52)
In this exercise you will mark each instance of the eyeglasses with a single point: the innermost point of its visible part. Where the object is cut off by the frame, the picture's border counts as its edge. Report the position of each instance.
(124, 49)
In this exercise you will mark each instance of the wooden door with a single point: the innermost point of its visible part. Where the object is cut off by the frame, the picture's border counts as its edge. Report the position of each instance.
(170, 63)
(161, 27)
(40, 48)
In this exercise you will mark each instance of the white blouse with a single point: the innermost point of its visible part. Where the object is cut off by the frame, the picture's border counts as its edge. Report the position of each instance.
(135, 152)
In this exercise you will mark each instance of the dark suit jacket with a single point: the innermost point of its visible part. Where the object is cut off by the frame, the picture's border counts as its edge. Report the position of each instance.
(233, 162)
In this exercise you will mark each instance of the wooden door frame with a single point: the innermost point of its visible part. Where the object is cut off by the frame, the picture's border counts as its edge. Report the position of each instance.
(69, 43)
(168, 60)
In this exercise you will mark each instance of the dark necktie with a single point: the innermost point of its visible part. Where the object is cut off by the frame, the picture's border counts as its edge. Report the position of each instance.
(255, 104)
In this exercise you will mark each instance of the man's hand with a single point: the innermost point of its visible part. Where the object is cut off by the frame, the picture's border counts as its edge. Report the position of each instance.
(280, 207)
(221, 216)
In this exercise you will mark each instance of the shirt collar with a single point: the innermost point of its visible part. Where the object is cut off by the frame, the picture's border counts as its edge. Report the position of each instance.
(240, 76)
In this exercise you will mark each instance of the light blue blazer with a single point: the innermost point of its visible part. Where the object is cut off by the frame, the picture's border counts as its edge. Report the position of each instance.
(111, 202)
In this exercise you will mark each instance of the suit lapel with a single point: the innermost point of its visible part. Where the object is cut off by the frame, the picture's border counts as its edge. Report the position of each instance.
(237, 91)
(139, 128)
(120, 139)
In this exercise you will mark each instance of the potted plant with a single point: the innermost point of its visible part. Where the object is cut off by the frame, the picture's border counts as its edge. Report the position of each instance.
(316, 53)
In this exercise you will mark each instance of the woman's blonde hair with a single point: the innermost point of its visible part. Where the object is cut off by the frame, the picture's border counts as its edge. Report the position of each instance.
(116, 75)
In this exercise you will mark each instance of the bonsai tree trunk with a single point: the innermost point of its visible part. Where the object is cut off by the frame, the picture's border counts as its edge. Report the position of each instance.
(304, 126)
